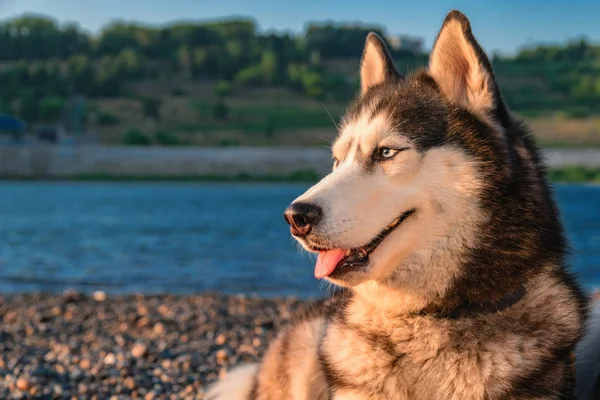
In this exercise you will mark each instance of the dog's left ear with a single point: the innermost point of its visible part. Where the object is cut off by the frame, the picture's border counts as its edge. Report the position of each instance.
(376, 65)
(462, 70)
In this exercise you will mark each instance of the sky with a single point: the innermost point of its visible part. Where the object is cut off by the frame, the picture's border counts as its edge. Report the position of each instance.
(499, 25)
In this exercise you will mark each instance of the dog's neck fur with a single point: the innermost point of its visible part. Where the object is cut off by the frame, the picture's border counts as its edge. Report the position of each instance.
(467, 309)
(392, 301)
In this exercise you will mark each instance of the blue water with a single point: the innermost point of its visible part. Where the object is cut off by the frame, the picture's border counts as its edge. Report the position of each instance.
(186, 238)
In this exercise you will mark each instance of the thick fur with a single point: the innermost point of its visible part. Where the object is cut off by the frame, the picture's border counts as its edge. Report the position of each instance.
(469, 297)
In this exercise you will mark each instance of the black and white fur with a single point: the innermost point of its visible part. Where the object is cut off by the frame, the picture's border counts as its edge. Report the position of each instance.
(469, 297)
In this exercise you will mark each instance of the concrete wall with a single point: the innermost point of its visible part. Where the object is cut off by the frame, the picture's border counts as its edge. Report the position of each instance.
(64, 161)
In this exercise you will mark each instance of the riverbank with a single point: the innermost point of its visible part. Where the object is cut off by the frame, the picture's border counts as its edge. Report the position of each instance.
(131, 347)
(126, 163)
(135, 346)
(566, 174)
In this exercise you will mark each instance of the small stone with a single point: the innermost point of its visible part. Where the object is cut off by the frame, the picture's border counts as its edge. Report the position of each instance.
(159, 329)
(85, 364)
(220, 340)
(22, 384)
(149, 396)
(256, 342)
(221, 355)
(139, 350)
(99, 296)
(10, 317)
(110, 359)
(143, 322)
(129, 383)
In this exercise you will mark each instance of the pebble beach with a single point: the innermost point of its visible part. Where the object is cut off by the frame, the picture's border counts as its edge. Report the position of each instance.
(78, 346)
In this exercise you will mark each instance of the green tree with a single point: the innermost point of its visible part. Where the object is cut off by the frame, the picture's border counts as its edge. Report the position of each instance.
(51, 108)
(130, 64)
(312, 84)
(151, 108)
(108, 82)
(268, 67)
(270, 127)
(223, 88)
(221, 110)
(29, 107)
(166, 139)
(81, 74)
(135, 137)
(250, 76)
(107, 119)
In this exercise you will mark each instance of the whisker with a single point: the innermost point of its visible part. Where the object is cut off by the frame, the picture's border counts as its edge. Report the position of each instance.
(330, 116)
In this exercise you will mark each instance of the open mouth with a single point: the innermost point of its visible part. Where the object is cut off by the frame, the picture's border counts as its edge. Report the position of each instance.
(334, 262)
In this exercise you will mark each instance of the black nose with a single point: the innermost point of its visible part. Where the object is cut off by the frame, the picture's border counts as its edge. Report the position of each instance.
(302, 217)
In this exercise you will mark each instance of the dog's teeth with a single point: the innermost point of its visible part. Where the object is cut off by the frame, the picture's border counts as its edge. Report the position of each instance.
(348, 252)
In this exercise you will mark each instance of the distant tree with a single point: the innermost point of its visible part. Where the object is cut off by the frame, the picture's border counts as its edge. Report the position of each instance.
(108, 81)
(151, 108)
(223, 88)
(81, 74)
(51, 108)
(250, 76)
(270, 127)
(165, 138)
(268, 67)
(221, 110)
(5, 108)
(107, 119)
(135, 137)
(312, 84)
(29, 107)
(130, 64)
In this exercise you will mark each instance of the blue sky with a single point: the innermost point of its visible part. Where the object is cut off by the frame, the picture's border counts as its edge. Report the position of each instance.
(500, 25)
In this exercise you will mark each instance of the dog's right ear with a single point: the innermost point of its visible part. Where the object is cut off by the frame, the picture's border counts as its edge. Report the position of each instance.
(376, 65)
(462, 70)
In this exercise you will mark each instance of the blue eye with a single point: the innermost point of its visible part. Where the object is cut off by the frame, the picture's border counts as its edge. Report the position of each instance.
(384, 153)
(387, 152)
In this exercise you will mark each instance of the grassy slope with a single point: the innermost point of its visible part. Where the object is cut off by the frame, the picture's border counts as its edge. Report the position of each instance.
(279, 117)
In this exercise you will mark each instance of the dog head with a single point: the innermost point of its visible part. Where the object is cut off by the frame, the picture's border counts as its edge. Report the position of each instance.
(430, 174)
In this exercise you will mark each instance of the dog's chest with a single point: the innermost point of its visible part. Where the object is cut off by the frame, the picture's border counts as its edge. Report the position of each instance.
(415, 360)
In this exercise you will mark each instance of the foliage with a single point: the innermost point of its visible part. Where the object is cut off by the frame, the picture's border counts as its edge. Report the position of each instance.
(135, 137)
(223, 88)
(151, 108)
(51, 109)
(221, 110)
(29, 107)
(167, 139)
(44, 59)
(107, 119)
(575, 174)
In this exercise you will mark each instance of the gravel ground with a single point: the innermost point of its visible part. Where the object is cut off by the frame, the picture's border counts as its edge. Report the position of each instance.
(146, 347)
(76, 346)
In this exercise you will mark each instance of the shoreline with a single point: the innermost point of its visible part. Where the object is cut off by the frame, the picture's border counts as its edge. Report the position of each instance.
(243, 164)
(565, 174)
(132, 346)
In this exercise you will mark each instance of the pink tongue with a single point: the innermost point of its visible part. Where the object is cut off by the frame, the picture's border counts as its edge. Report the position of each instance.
(327, 261)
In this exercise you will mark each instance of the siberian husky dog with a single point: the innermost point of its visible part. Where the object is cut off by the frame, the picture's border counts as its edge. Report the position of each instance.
(438, 223)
